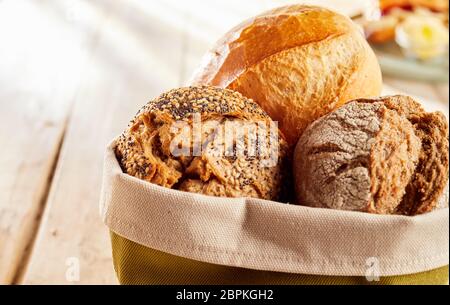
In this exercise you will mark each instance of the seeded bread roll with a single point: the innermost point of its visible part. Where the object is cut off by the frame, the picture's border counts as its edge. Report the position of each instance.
(298, 62)
(203, 119)
(384, 156)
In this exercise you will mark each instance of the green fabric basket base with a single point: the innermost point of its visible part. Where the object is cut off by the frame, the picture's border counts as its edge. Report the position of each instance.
(139, 265)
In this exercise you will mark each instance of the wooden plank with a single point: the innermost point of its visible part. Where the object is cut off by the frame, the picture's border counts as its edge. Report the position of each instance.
(208, 21)
(138, 56)
(442, 92)
(40, 64)
(420, 89)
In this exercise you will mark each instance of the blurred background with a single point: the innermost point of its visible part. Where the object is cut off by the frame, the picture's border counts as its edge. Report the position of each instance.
(73, 72)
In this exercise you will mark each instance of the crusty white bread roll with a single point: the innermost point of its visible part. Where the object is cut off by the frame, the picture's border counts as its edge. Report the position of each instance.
(298, 62)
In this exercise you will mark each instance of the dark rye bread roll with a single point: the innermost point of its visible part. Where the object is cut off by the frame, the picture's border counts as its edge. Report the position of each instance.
(384, 156)
(206, 163)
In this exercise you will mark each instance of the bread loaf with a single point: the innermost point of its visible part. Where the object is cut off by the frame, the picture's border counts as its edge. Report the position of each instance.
(297, 62)
(384, 156)
(204, 119)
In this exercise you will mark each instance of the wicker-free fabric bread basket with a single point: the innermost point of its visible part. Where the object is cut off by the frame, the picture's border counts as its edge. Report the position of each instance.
(163, 236)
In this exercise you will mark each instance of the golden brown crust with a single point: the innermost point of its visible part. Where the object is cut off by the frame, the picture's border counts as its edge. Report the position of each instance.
(145, 149)
(265, 35)
(297, 62)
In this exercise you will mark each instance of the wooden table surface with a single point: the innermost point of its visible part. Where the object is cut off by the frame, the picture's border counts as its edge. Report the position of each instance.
(72, 73)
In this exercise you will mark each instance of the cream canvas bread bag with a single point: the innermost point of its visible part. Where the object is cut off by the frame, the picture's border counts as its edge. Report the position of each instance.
(164, 236)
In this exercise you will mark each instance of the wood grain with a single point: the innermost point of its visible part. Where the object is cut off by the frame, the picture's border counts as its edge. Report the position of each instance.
(118, 82)
(442, 92)
(38, 81)
(424, 90)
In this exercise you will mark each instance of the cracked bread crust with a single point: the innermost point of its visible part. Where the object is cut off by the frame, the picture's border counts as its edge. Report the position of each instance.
(144, 149)
(298, 62)
(384, 156)
(431, 176)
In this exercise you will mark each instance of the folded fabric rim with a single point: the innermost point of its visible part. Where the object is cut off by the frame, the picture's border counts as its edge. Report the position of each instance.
(271, 236)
